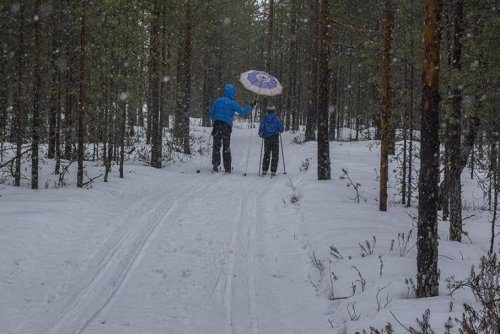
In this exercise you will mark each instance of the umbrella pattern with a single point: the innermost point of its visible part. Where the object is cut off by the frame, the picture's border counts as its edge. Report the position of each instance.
(261, 83)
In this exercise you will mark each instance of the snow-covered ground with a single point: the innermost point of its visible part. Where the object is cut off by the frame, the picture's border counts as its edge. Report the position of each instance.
(173, 251)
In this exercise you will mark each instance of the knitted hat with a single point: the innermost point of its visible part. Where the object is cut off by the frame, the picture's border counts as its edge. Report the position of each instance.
(271, 109)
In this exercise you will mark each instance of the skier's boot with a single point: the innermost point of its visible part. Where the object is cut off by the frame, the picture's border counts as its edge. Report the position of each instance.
(273, 174)
(264, 173)
(215, 169)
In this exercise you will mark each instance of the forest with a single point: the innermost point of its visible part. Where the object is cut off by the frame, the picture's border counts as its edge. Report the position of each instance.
(92, 83)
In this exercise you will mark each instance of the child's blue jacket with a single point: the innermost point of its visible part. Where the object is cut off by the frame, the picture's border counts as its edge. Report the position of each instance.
(270, 125)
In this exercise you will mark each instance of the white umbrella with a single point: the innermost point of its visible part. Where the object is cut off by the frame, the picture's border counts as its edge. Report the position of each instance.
(261, 83)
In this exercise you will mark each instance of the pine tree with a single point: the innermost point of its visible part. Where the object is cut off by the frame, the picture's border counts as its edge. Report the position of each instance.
(427, 238)
(81, 100)
(182, 115)
(155, 79)
(324, 168)
(19, 126)
(312, 93)
(455, 128)
(385, 106)
(35, 137)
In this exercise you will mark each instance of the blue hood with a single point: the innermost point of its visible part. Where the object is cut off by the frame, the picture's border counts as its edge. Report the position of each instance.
(224, 108)
(230, 91)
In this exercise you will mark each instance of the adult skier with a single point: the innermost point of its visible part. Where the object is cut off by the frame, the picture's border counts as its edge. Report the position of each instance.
(270, 129)
(222, 114)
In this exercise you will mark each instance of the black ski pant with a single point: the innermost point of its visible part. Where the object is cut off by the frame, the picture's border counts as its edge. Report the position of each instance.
(221, 133)
(271, 153)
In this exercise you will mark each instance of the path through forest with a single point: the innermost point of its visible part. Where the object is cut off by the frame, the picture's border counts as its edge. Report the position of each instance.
(186, 252)
(174, 251)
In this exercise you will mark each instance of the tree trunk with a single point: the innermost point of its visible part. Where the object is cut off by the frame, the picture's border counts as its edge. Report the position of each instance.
(385, 105)
(54, 85)
(405, 137)
(81, 101)
(410, 148)
(123, 122)
(444, 199)
(427, 241)
(205, 116)
(410, 126)
(270, 29)
(58, 86)
(292, 94)
(496, 188)
(312, 94)
(334, 96)
(19, 126)
(36, 100)
(455, 127)
(182, 117)
(51, 153)
(155, 77)
(358, 107)
(324, 167)
(106, 131)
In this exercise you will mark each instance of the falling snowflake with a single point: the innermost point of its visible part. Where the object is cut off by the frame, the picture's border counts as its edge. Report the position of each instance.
(123, 96)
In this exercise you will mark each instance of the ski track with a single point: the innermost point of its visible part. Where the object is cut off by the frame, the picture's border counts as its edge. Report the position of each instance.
(242, 250)
(126, 247)
(228, 289)
(115, 268)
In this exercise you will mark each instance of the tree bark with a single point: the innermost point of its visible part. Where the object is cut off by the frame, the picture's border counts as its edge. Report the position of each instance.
(455, 128)
(312, 94)
(270, 32)
(410, 145)
(19, 126)
(405, 137)
(205, 116)
(36, 100)
(81, 101)
(496, 188)
(385, 105)
(155, 77)
(182, 117)
(123, 124)
(427, 241)
(324, 167)
(107, 120)
(292, 92)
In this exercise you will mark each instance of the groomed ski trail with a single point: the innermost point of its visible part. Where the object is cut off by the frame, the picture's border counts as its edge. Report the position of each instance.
(124, 251)
(240, 289)
(203, 256)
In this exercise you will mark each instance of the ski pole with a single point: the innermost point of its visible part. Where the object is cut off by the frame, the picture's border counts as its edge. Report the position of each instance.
(260, 158)
(283, 155)
(249, 144)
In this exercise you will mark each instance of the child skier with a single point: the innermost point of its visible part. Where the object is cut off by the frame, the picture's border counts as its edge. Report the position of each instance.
(270, 129)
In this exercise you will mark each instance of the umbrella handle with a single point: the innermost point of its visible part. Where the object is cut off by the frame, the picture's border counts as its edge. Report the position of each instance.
(251, 130)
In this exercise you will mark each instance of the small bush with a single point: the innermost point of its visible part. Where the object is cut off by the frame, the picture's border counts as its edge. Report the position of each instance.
(485, 285)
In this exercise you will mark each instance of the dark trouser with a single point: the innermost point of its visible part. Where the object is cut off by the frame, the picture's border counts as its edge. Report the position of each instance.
(221, 133)
(271, 153)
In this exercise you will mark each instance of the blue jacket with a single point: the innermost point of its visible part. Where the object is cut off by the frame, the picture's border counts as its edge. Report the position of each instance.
(223, 108)
(270, 126)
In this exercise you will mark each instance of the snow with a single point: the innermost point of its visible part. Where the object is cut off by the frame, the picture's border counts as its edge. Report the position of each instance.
(173, 251)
